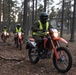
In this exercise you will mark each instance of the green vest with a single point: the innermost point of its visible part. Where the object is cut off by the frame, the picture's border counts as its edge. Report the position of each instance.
(41, 27)
(4, 30)
(18, 30)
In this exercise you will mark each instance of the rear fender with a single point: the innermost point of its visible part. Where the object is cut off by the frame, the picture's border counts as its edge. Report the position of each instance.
(30, 44)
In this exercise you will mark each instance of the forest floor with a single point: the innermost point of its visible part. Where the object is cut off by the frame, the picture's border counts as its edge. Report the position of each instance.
(16, 62)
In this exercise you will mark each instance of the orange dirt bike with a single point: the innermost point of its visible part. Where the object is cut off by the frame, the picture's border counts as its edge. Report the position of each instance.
(4, 36)
(19, 37)
(62, 58)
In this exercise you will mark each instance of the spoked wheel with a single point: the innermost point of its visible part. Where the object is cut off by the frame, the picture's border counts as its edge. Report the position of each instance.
(20, 44)
(4, 39)
(33, 55)
(17, 43)
(64, 63)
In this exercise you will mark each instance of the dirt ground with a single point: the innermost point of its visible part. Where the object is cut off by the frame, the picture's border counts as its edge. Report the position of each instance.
(16, 62)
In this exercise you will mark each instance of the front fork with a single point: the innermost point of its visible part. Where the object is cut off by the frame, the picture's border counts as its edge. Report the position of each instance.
(55, 49)
(53, 46)
(19, 41)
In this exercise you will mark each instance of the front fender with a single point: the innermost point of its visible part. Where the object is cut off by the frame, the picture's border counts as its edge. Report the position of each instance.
(61, 39)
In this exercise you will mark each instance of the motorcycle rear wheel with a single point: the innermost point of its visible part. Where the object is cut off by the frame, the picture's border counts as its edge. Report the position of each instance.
(64, 64)
(33, 55)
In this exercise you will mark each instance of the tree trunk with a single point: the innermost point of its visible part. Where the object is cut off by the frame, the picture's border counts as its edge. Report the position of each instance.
(44, 5)
(33, 12)
(25, 26)
(0, 15)
(73, 23)
(62, 19)
(4, 13)
(36, 11)
(9, 2)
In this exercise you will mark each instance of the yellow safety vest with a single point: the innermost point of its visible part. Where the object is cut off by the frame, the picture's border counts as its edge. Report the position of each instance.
(18, 30)
(41, 27)
(4, 30)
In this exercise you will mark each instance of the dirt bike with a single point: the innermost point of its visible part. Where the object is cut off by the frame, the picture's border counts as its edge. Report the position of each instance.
(62, 58)
(4, 36)
(19, 37)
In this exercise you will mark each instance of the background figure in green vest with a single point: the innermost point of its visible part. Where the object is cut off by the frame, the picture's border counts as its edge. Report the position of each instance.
(17, 29)
(4, 30)
(41, 26)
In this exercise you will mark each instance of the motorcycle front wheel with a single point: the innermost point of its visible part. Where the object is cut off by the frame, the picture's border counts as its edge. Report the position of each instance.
(4, 39)
(20, 44)
(64, 63)
(33, 55)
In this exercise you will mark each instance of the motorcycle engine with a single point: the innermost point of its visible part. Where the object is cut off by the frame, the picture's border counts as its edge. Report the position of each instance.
(45, 53)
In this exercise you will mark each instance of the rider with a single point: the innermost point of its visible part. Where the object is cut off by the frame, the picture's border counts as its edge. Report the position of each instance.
(4, 30)
(17, 29)
(41, 26)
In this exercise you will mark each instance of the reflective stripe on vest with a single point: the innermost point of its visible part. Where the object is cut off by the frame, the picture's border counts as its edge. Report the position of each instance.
(47, 25)
(18, 30)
